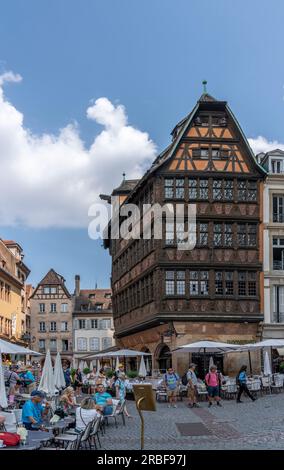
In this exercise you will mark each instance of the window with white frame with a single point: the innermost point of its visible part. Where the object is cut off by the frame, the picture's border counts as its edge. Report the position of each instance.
(106, 342)
(278, 253)
(53, 344)
(64, 308)
(82, 324)
(94, 323)
(53, 326)
(82, 344)
(42, 326)
(276, 165)
(64, 326)
(42, 344)
(42, 307)
(53, 308)
(94, 344)
(278, 208)
(278, 304)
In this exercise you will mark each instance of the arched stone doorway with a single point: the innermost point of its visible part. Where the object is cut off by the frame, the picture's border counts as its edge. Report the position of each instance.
(164, 357)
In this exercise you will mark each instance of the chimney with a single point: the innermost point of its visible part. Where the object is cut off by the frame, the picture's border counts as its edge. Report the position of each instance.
(77, 285)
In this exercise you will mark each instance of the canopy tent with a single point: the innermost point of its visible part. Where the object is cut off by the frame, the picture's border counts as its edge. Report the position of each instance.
(119, 353)
(10, 348)
(207, 346)
(267, 343)
(142, 368)
(204, 347)
(59, 379)
(3, 398)
(47, 378)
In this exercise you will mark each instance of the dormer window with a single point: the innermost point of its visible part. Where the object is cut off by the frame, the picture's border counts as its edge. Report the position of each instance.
(276, 165)
(108, 296)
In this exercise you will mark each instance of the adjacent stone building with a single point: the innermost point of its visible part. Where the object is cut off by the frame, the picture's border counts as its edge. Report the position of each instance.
(92, 321)
(51, 317)
(13, 275)
(164, 297)
(273, 265)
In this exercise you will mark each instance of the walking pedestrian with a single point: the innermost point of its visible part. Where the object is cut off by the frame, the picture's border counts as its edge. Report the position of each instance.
(242, 383)
(192, 386)
(212, 380)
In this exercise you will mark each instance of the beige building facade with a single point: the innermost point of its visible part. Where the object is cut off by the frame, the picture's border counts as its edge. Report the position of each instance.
(51, 317)
(13, 275)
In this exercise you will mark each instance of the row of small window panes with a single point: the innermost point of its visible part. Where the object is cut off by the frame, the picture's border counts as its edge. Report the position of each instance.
(137, 250)
(53, 307)
(214, 121)
(206, 152)
(200, 189)
(53, 344)
(198, 282)
(139, 293)
(102, 324)
(94, 343)
(224, 234)
(53, 326)
(49, 290)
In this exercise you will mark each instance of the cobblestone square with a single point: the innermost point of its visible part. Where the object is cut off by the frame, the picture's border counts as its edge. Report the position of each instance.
(258, 425)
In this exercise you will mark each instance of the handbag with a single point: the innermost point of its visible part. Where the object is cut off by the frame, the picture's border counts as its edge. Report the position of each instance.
(7, 382)
(10, 439)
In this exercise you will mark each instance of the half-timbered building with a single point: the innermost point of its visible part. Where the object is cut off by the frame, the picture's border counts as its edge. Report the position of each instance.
(164, 297)
(51, 317)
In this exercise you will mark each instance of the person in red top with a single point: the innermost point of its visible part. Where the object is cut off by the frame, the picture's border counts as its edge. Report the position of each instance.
(212, 380)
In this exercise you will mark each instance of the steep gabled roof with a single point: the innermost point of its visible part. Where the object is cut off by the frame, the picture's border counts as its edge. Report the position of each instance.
(52, 278)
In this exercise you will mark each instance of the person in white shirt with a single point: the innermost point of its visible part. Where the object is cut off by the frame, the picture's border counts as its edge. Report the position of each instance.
(85, 413)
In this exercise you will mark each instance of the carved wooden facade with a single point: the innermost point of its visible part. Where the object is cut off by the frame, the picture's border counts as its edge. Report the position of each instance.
(209, 163)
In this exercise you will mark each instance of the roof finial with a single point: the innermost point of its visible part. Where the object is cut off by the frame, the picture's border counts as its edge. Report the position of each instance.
(204, 83)
(123, 176)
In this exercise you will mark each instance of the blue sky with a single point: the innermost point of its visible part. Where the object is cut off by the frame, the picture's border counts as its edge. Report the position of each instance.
(149, 56)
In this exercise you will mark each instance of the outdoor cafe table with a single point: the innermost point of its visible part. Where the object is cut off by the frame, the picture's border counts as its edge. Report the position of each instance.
(59, 425)
(34, 441)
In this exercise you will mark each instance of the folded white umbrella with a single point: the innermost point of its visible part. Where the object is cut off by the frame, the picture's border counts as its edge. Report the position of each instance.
(85, 365)
(211, 362)
(47, 378)
(142, 369)
(91, 365)
(81, 366)
(73, 363)
(117, 363)
(59, 379)
(3, 397)
(98, 365)
(267, 367)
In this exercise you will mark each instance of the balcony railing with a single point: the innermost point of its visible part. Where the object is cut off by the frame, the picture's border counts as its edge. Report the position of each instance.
(278, 217)
(278, 265)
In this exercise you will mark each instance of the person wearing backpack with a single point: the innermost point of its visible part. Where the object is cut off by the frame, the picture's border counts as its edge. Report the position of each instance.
(213, 381)
(242, 383)
(171, 380)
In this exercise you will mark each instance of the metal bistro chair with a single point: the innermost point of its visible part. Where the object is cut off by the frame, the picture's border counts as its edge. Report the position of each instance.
(232, 390)
(95, 433)
(118, 409)
(266, 384)
(277, 383)
(161, 392)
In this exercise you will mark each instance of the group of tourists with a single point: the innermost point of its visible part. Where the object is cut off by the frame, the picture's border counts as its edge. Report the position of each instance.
(213, 381)
(16, 377)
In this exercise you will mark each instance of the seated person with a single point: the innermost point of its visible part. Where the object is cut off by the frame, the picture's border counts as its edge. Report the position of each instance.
(103, 400)
(67, 400)
(86, 413)
(33, 411)
(28, 379)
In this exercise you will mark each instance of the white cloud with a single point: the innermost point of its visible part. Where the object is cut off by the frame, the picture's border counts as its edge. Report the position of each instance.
(51, 180)
(261, 144)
